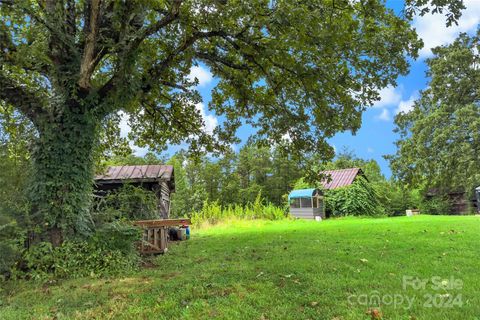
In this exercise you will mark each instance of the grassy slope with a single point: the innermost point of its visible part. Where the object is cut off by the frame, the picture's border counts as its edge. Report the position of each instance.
(278, 270)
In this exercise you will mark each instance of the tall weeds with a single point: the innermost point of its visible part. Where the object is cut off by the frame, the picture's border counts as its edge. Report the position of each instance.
(213, 212)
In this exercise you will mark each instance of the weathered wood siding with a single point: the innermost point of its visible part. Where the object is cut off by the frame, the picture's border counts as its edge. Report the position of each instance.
(163, 199)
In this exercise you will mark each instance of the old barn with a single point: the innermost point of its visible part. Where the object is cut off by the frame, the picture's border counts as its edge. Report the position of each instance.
(342, 178)
(157, 178)
(332, 179)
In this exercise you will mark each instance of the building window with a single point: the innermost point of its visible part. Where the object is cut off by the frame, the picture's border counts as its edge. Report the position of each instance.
(305, 202)
(295, 203)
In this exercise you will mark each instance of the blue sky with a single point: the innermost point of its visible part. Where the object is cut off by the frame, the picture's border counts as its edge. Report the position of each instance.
(376, 137)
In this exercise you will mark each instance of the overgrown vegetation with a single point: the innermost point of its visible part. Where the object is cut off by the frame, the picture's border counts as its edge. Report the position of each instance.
(213, 212)
(110, 250)
(436, 205)
(127, 203)
(358, 199)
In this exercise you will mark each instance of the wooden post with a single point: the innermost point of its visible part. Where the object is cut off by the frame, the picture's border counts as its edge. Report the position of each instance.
(150, 236)
(163, 239)
(156, 243)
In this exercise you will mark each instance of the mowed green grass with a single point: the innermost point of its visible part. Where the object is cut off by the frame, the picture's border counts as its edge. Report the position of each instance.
(283, 270)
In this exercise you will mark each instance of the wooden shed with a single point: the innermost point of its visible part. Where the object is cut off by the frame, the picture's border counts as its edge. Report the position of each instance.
(157, 178)
(461, 202)
(307, 203)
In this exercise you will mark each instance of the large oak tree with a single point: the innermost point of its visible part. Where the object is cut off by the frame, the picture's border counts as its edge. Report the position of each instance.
(302, 69)
(439, 145)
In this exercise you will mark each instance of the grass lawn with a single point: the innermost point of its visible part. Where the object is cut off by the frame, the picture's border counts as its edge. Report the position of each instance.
(285, 270)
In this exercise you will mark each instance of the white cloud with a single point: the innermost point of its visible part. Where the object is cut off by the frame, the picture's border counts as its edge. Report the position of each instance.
(203, 75)
(210, 121)
(384, 116)
(406, 106)
(125, 130)
(370, 150)
(287, 137)
(392, 97)
(334, 147)
(434, 32)
(388, 96)
(124, 126)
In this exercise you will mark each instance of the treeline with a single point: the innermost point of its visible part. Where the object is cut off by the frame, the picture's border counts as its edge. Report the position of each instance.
(256, 172)
(233, 179)
(238, 178)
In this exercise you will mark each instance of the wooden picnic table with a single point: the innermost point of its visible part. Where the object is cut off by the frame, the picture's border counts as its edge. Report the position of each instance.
(155, 233)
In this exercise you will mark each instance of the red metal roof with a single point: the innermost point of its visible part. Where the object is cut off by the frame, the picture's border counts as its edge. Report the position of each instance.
(339, 178)
(136, 173)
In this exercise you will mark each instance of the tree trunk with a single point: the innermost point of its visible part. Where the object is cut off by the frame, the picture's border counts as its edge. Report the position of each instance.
(61, 187)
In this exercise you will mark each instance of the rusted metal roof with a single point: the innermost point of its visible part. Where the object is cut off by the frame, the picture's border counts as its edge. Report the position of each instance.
(340, 178)
(143, 173)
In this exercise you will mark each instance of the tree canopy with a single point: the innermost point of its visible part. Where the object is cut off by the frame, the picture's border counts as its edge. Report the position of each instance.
(439, 144)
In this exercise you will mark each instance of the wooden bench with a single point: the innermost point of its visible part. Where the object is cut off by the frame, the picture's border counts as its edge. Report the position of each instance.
(155, 233)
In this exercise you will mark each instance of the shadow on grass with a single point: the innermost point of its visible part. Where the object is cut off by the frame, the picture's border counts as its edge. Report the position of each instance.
(278, 270)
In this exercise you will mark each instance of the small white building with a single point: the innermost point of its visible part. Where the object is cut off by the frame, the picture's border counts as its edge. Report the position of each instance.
(307, 204)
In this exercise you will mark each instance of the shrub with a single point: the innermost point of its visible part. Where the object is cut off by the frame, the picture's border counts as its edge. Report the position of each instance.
(9, 255)
(11, 241)
(400, 198)
(109, 251)
(117, 235)
(360, 198)
(128, 203)
(435, 205)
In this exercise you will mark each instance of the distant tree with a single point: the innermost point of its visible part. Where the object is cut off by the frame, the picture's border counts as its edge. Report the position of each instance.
(286, 169)
(300, 183)
(439, 144)
(302, 68)
(132, 159)
(181, 198)
(229, 192)
(191, 170)
(16, 134)
(253, 167)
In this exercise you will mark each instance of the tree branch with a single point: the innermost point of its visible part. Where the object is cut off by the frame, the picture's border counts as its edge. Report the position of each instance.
(125, 48)
(151, 29)
(157, 70)
(215, 58)
(88, 64)
(19, 96)
(174, 85)
(115, 83)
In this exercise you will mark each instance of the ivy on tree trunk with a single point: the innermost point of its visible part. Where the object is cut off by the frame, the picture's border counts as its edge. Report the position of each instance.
(61, 188)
